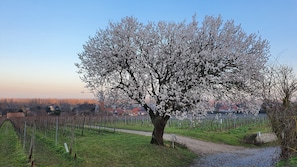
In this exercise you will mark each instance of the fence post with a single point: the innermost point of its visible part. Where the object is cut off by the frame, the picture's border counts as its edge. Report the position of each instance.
(32, 144)
(24, 140)
(114, 124)
(83, 126)
(173, 139)
(64, 126)
(221, 124)
(66, 148)
(72, 135)
(57, 128)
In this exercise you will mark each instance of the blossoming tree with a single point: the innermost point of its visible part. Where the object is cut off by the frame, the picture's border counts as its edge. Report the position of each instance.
(179, 66)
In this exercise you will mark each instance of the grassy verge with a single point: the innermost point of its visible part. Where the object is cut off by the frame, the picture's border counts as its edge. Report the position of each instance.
(120, 149)
(108, 149)
(232, 136)
(292, 162)
(11, 152)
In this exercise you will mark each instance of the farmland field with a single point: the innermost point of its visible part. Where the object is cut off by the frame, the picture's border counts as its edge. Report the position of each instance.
(43, 140)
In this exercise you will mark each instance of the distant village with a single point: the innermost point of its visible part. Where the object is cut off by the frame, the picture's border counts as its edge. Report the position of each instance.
(69, 107)
(36, 107)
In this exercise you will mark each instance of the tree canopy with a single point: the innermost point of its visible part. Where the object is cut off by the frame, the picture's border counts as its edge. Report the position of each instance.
(178, 66)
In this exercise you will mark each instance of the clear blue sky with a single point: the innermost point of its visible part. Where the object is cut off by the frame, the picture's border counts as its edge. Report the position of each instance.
(40, 40)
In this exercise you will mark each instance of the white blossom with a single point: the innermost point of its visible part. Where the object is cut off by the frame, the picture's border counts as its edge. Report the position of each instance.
(179, 66)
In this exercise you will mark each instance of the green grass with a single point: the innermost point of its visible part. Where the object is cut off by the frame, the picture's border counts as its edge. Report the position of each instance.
(46, 154)
(231, 137)
(120, 149)
(108, 149)
(11, 152)
(292, 162)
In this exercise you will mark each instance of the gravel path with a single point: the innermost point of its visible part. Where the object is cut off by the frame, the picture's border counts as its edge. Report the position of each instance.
(264, 157)
(222, 155)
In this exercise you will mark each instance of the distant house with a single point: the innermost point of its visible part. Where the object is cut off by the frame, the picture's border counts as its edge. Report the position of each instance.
(115, 111)
(119, 111)
(225, 108)
(51, 110)
(85, 109)
(99, 108)
(26, 111)
(138, 111)
(15, 115)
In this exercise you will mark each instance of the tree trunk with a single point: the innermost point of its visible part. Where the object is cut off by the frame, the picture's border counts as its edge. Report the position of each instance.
(285, 153)
(159, 123)
(286, 101)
